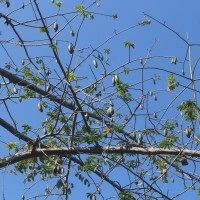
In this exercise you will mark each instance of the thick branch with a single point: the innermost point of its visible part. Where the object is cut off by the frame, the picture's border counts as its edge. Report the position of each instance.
(16, 80)
(95, 151)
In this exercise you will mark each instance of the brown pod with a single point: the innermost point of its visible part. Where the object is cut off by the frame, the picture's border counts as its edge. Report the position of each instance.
(110, 111)
(183, 160)
(55, 26)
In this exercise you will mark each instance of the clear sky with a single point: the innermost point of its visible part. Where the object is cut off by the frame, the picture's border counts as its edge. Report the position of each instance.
(181, 15)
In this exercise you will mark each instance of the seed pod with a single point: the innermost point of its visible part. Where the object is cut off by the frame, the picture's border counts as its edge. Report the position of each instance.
(155, 115)
(155, 98)
(133, 136)
(22, 6)
(7, 4)
(183, 72)
(72, 33)
(16, 69)
(86, 116)
(92, 197)
(116, 79)
(183, 160)
(140, 137)
(188, 132)
(23, 197)
(95, 63)
(110, 111)
(70, 48)
(150, 93)
(193, 187)
(172, 180)
(98, 190)
(141, 106)
(40, 106)
(15, 90)
(174, 60)
(44, 131)
(165, 132)
(141, 61)
(48, 88)
(113, 81)
(55, 26)
(52, 1)
(23, 62)
(56, 42)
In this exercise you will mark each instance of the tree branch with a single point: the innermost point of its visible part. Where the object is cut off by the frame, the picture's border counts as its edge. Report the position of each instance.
(65, 151)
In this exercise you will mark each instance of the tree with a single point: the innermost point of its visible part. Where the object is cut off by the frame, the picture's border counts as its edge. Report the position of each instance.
(79, 117)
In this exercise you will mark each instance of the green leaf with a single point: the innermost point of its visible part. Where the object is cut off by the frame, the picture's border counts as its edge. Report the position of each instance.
(129, 44)
(58, 3)
(80, 9)
(11, 146)
(168, 141)
(59, 184)
(54, 47)
(190, 108)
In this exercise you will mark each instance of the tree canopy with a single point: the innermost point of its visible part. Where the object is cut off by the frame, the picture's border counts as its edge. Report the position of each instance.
(91, 109)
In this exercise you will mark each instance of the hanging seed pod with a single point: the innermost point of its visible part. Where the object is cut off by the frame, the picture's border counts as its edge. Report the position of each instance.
(172, 180)
(44, 131)
(70, 48)
(7, 4)
(154, 81)
(72, 33)
(98, 190)
(110, 111)
(141, 61)
(52, 1)
(16, 69)
(140, 138)
(40, 106)
(165, 132)
(188, 132)
(141, 106)
(55, 26)
(23, 62)
(92, 197)
(183, 72)
(174, 60)
(155, 115)
(150, 93)
(133, 136)
(22, 6)
(15, 90)
(48, 88)
(155, 98)
(86, 116)
(95, 63)
(183, 160)
(23, 197)
(56, 42)
(116, 79)
(113, 81)
(193, 187)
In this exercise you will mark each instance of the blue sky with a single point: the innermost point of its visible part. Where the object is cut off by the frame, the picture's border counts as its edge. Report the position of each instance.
(181, 15)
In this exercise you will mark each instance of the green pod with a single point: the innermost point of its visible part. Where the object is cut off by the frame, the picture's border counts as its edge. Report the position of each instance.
(15, 90)
(70, 48)
(113, 81)
(40, 106)
(55, 26)
(95, 63)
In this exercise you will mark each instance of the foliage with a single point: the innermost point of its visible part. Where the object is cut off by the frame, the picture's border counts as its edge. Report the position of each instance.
(83, 113)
